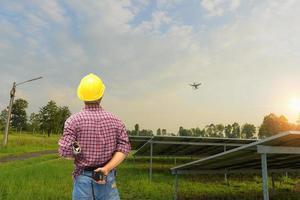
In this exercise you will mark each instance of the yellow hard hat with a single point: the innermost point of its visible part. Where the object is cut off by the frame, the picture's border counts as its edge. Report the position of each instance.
(91, 88)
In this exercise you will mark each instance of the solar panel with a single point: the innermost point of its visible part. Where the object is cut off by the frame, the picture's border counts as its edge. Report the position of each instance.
(279, 153)
(283, 153)
(138, 141)
(189, 146)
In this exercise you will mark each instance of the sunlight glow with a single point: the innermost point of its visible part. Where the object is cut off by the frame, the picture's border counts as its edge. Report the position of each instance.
(295, 105)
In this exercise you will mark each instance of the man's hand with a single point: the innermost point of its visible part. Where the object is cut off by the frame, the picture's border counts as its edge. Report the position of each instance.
(104, 171)
(117, 158)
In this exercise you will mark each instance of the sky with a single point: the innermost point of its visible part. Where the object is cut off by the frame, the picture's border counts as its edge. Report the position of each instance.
(246, 54)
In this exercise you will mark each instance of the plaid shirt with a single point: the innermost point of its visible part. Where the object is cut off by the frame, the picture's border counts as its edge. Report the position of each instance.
(99, 134)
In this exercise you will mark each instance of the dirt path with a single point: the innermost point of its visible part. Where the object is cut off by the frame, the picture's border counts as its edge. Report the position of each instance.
(25, 156)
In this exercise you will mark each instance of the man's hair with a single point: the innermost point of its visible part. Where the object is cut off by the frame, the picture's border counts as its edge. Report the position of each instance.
(93, 102)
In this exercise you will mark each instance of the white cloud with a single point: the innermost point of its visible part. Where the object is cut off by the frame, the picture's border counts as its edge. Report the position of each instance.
(52, 9)
(219, 7)
(167, 4)
(158, 20)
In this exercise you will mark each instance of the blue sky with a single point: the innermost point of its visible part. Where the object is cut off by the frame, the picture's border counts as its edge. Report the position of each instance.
(246, 54)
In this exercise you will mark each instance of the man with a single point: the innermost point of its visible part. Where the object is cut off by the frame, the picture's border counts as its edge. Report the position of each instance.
(97, 141)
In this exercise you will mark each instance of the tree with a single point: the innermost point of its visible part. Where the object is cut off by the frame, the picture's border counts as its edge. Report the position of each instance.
(232, 131)
(3, 118)
(273, 125)
(145, 132)
(198, 132)
(158, 132)
(63, 113)
(236, 130)
(48, 116)
(228, 130)
(284, 123)
(211, 131)
(220, 130)
(52, 117)
(164, 132)
(248, 131)
(137, 129)
(19, 116)
(34, 122)
(182, 131)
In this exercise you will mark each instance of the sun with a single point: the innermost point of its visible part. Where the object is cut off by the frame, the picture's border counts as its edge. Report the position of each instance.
(295, 105)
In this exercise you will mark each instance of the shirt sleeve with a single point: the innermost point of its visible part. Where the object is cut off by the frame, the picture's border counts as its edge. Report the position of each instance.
(68, 138)
(123, 144)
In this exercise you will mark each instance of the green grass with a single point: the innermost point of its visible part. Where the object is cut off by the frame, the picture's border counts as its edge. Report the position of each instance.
(24, 143)
(49, 177)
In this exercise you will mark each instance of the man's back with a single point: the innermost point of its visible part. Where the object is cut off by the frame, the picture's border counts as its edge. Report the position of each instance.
(99, 134)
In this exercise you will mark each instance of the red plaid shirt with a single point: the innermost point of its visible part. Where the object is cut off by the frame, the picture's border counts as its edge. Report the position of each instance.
(99, 134)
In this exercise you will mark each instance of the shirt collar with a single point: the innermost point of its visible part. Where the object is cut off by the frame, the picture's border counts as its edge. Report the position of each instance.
(92, 107)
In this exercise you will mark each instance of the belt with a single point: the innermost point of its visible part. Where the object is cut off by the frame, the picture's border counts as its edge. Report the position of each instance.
(89, 168)
(88, 172)
(92, 168)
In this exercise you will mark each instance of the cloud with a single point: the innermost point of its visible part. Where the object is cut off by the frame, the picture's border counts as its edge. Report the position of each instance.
(158, 20)
(147, 66)
(167, 4)
(219, 7)
(52, 9)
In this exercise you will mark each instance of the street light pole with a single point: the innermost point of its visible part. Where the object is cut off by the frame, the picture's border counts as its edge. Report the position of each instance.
(12, 97)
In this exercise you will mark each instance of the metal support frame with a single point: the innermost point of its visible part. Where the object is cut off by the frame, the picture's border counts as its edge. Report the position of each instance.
(277, 150)
(151, 160)
(144, 145)
(226, 179)
(225, 175)
(175, 189)
(199, 143)
(264, 170)
(273, 184)
(236, 171)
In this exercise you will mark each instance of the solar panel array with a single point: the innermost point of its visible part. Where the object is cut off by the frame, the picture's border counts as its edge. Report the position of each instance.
(189, 146)
(246, 158)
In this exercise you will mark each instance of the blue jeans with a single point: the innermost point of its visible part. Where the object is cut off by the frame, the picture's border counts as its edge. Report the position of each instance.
(84, 186)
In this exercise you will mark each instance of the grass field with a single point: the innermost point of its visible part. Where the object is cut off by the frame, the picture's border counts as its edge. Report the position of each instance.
(49, 177)
(24, 143)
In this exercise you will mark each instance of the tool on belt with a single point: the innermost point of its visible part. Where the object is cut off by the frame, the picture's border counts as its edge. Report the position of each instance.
(98, 176)
(76, 148)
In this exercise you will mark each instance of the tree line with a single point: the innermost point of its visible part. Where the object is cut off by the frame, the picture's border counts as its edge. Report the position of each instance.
(271, 125)
(49, 119)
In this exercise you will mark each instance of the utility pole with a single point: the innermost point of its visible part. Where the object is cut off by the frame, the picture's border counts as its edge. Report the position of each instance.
(12, 96)
(11, 101)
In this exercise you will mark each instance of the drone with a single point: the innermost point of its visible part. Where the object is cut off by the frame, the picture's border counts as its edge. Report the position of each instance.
(195, 85)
